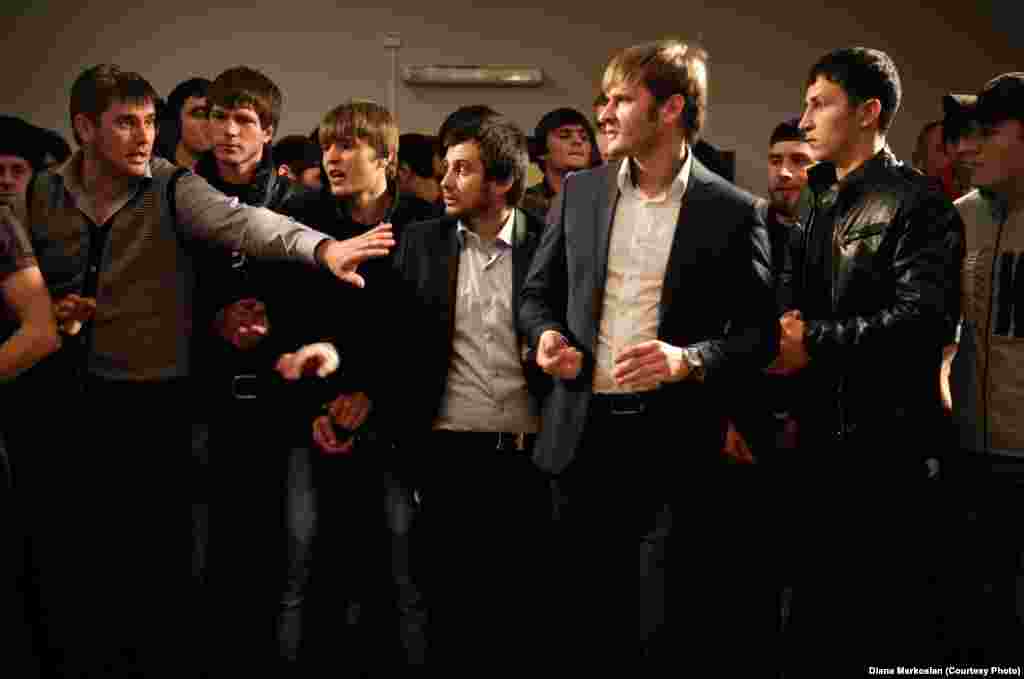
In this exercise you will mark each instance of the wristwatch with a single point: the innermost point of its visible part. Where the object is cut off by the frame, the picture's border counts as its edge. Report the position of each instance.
(695, 362)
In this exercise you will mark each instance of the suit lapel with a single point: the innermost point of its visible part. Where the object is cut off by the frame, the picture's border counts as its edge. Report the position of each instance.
(607, 200)
(452, 281)
(604, 214)
(691, 235)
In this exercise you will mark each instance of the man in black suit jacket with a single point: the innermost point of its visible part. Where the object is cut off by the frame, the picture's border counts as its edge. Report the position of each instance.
(644, 326)
(460, 397)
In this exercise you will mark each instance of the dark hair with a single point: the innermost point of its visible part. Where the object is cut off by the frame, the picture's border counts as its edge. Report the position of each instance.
(552, 120)
(169, 134)
(297, 152)
(666, 68)
(864, 74)
(465, 116)
(787, 130)
(503, 152)
(97, 88)
(244, 87)
(417, 151)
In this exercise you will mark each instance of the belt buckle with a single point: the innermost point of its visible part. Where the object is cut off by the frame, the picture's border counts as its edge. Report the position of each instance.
(241, 394)
(636, 408)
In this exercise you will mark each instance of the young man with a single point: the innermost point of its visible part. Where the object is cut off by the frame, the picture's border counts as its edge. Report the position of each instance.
(184, 133)
(875, 301)
(359, 140)
(243, 321)
(765, 426)
(563, 142)
(993, 341)
(470, 396)
(615, 305)
(110, 234)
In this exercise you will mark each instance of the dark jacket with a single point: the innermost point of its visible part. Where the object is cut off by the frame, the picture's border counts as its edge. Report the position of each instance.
(716, 298)
(427, 268)
(224, 277)
(358, 321)
(878, 285)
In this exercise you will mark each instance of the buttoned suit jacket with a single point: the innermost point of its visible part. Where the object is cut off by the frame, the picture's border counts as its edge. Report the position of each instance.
(716, 297)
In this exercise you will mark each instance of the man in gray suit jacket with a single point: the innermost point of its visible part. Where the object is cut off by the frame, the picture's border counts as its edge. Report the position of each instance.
(644, 326)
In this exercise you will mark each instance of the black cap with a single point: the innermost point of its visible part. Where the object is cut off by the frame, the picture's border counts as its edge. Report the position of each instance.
(22, 139)
(1002, 98)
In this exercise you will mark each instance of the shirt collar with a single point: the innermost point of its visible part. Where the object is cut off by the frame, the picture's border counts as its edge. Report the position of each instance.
(72, 174)
(504, 236)
(675, 191)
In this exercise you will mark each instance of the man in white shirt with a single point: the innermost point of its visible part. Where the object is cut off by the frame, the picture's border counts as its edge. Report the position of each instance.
(649, 291)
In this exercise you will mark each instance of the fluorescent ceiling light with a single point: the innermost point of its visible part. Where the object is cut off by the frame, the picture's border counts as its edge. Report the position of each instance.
(489, 76)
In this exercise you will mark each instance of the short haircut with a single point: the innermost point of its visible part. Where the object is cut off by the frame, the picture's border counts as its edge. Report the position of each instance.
(503, 152)
(418, 151)
(244, 87)
(864, 74)
(297, 152)
(366, 120)
(787, 130)
(465, 116)
(666, 68)
(99, 87)
(169, 134)
(552, 120)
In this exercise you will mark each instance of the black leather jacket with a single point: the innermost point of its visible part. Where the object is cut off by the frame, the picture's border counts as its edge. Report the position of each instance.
(878, 285)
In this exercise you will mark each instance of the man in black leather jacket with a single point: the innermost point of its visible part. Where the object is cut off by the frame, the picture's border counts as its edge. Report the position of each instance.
(876, 298)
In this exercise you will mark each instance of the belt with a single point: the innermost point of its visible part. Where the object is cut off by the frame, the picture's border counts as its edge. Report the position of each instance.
(634, 403)
(249, 386)
(506, 442)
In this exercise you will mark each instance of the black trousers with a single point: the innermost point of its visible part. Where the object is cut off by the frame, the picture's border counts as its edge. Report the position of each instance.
(658, 541)
(117, 594)
(361, 609)
(482, 552)
(246, 566)
(864, 586)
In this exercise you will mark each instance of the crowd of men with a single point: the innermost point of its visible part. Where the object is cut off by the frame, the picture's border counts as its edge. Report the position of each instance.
(427, 417)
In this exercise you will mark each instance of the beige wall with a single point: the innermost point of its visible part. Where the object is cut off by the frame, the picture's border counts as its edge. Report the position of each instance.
(320, 54)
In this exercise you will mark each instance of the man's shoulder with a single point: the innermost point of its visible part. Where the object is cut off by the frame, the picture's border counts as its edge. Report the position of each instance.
(412, 209)
(436, 228)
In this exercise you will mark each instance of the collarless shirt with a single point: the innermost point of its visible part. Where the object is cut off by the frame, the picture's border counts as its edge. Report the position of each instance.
(641, 239)
(486, 389)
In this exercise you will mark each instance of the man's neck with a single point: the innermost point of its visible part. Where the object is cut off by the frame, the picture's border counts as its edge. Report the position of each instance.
(184, 157)
(489, 224)
(102, 186)
(239, 173)
(860, 153)
(654, 172)
(370, 206)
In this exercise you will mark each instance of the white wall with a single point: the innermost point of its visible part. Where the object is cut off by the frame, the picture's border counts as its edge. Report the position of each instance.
(320, 53)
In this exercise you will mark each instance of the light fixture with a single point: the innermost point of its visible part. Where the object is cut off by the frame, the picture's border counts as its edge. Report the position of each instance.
(486, 75)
